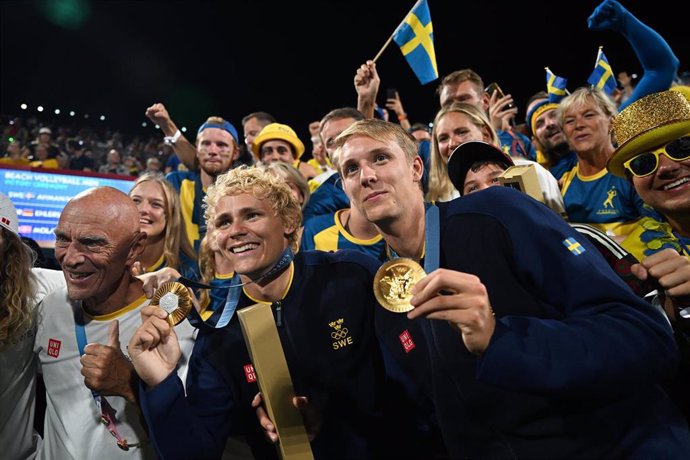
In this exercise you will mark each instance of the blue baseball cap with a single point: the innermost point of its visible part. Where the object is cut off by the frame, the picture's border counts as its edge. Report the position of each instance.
(225, 126)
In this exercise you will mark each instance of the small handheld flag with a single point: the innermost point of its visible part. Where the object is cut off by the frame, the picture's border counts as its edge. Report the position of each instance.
(555, 86)
(415, 38)
(602, 75)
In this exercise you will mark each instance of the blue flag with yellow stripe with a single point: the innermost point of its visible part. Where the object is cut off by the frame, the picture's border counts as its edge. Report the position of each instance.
(602, 75)
(573, 246)
(555, 86)
(415, 37)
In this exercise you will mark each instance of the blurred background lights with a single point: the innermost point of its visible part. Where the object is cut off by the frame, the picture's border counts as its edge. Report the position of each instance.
(23, 106)
(39, 108)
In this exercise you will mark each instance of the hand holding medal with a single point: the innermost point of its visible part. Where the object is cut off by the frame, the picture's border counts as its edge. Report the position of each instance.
(174, 298)
(393, 284)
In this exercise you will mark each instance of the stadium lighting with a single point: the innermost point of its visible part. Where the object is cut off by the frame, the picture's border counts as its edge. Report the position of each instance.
(39, 108)
(23, 106)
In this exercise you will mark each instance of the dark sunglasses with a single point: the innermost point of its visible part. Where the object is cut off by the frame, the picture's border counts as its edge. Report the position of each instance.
(647, 163)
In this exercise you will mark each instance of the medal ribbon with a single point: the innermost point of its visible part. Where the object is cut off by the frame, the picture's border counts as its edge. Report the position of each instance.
(104, 408)
(432, 239)
(235, 289)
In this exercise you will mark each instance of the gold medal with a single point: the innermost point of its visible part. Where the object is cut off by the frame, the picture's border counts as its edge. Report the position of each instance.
(174, 298)
(393, 284)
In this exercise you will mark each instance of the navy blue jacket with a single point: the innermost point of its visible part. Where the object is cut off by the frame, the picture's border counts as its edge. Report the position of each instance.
(340, 369)
(574, 365)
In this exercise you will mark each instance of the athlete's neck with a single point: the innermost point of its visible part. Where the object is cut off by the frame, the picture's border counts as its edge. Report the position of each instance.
(357, 225)
(271, 289)
(405, 234)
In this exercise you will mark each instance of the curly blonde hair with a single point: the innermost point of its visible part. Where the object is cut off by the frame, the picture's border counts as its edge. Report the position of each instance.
(264, 186)
(17, 311)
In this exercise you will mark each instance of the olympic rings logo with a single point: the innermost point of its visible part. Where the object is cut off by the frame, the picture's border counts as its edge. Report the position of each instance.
(339, 334)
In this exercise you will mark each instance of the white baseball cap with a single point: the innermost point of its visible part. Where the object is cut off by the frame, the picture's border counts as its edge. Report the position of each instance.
(8, 214)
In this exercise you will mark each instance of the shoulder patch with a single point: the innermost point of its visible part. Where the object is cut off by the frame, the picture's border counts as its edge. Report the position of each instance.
(573, 246)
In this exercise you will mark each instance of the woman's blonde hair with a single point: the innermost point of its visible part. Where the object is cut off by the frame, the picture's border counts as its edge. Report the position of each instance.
(583, 95)
(207, 266)
(175, 237)
(17, 311)
(262, 185)
(290, 174)
(439, 186)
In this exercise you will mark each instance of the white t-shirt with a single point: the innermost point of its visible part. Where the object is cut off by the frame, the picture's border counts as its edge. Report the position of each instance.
(18, 365)
(73, 429)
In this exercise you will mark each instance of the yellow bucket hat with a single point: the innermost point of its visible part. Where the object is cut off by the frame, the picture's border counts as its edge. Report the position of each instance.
(647, 123)
(281, 132)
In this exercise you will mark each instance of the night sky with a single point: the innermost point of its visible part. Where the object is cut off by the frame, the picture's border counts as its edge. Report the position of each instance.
(295, 60)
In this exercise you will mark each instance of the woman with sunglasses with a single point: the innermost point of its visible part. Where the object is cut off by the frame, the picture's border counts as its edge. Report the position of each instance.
(591, 194)
(653, 135)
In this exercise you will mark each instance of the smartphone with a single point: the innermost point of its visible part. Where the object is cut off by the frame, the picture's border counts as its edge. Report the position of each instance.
(391, 93)
(493, 87)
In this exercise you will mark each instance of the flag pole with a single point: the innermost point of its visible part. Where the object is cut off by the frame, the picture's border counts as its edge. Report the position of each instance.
(385, 45)
(388, 42)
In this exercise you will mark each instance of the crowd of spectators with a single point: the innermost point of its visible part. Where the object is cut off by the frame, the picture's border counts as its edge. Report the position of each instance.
(30, 141)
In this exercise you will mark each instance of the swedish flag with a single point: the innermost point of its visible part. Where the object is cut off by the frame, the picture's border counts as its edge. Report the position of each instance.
(555, 86)
(602, 75)
(415, 37)
(573, 246)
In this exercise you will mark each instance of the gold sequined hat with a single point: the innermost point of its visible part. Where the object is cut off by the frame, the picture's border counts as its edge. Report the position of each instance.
(647, 124)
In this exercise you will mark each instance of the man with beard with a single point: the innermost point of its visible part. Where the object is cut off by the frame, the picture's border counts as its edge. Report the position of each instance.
(548, 135)
(216, 150)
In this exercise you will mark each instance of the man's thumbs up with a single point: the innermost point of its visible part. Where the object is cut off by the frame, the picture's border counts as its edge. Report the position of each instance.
(114, 334)
(106, 369)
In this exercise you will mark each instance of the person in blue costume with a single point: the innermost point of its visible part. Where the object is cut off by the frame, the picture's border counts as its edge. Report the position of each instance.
(524, 361)
(659, 67)
(323, 306)
(659, 63)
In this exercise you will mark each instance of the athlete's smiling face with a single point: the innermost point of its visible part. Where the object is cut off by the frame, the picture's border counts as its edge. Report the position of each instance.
(250, 233)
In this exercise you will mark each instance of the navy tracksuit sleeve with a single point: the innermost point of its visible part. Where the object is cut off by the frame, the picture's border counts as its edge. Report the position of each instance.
(587, 334)
(192, 427)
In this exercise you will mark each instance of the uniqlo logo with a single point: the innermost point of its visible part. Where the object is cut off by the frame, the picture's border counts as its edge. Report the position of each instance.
(54, 347)
(249, 373)
(406, 340)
